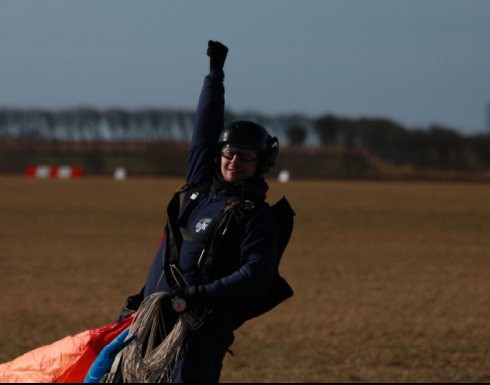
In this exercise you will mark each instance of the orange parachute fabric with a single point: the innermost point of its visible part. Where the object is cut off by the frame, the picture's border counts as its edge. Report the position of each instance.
(64, 361)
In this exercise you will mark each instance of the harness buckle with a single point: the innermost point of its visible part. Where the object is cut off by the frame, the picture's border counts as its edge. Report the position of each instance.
(201, 258)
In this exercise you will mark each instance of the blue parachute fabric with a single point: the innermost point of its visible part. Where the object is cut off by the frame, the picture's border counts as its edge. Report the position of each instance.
(106, 357)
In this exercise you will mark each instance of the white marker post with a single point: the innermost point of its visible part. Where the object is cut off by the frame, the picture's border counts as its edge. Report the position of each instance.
(284, 176)
(120, 174)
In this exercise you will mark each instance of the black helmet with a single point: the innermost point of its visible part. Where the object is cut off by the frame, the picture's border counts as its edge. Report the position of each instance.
(251, 136)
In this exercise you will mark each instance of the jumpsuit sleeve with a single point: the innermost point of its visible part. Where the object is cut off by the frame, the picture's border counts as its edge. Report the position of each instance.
(259, 253)
(208, 126)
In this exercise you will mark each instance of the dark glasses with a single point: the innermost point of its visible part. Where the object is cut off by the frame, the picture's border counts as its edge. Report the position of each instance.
(244, 155)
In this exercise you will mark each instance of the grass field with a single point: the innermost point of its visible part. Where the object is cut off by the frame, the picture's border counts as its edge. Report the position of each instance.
(392, 280)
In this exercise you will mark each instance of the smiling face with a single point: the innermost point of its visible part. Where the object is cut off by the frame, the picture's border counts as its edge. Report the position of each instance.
(237, 164)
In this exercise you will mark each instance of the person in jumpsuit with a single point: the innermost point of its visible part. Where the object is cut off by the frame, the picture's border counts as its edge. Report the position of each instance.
(230, 160)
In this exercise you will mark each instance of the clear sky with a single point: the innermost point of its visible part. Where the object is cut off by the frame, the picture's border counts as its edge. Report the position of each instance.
(418, 62)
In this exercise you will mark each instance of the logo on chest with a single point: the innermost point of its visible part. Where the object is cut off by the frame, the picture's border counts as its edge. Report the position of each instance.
(203, 225)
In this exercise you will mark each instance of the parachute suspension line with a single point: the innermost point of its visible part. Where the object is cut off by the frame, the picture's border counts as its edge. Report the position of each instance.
(152, 356)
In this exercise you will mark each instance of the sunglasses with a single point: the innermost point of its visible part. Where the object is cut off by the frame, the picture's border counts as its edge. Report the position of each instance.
(245, 156)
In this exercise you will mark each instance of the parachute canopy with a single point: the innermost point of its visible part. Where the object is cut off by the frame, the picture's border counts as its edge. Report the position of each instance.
(65, 361)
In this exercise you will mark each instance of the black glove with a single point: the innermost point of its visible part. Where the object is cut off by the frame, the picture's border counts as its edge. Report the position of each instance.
(183, 298)
(131, 305)
(217, 53)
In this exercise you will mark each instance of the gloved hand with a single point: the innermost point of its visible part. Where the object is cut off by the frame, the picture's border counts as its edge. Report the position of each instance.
(183, 298)
(217, 54)
(131, 305)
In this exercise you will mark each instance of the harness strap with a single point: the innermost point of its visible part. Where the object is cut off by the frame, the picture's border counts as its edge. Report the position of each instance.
(175, 234)
(232, 217)
(190, 236)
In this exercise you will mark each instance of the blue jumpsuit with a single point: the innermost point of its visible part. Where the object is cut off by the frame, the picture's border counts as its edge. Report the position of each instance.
(205, 348)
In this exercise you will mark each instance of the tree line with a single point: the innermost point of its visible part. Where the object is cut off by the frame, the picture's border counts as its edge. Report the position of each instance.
(90, 131)
(437, 147)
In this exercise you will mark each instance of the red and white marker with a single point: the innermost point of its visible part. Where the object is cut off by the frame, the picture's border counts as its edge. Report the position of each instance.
(58, 172)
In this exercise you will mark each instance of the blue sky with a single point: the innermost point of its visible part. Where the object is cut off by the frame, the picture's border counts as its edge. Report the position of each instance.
(418, 62)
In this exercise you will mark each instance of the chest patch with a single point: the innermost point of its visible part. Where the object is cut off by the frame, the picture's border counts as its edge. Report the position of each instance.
(203, 225)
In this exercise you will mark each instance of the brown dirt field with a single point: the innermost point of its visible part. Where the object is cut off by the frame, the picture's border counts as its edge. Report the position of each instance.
(392, 280)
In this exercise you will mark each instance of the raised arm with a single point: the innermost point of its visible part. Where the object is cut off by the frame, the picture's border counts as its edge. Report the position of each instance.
(209, 118)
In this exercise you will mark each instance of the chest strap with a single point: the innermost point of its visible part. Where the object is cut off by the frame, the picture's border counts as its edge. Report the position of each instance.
(190, 236)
